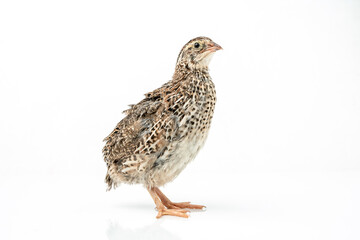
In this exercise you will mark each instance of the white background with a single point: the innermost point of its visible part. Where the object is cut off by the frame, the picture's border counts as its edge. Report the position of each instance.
(282, 160)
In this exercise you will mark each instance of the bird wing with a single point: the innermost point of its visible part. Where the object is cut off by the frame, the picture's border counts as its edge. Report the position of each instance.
(143, 135)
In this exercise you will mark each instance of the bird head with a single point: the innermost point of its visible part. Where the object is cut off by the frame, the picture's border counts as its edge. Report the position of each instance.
(197, 53)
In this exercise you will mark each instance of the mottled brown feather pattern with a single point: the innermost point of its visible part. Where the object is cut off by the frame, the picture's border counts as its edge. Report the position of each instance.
(164, 131)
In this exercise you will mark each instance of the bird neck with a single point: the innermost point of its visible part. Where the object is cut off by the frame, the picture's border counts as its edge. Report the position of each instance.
(182, 71)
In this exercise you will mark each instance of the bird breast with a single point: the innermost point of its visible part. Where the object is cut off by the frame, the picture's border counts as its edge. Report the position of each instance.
(193, 131)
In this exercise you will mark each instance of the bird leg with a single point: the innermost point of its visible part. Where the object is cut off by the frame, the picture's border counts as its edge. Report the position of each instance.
(171, 205)
(162, 210)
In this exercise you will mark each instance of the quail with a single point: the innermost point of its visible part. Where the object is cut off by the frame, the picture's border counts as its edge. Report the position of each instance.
(162, 133)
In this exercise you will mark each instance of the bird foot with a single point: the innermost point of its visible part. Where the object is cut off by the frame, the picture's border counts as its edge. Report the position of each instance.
(173, 212)
(171, 205)
(167, 207)
(184, 205)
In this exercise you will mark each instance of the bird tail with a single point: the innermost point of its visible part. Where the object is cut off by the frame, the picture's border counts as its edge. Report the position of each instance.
(109, 182)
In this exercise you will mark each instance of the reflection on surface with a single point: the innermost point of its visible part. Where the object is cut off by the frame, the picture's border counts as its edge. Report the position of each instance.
(153, 231)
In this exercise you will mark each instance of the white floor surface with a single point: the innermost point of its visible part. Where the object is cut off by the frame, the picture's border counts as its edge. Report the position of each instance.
(302, 205)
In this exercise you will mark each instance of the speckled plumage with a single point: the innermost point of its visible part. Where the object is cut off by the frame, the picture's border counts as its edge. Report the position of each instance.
(162, 133)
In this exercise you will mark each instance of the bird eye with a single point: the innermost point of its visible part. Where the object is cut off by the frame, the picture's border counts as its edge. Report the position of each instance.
(196, 45)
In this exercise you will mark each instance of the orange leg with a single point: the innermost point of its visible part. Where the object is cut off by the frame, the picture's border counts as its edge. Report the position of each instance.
(171, 205)
(162, 210)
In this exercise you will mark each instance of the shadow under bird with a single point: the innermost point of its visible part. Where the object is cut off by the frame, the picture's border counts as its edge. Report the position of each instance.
(162, 133)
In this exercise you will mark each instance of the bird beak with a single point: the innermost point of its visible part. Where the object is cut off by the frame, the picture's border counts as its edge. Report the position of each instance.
(213, 47)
